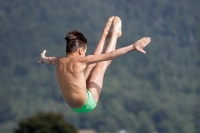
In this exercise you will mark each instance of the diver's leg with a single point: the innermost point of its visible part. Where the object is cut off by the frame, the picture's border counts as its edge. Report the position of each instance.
(95, 81)
(100, 47)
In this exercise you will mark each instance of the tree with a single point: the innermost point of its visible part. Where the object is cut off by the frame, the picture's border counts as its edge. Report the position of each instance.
(197, 118)
(45, 123)
(145, 123)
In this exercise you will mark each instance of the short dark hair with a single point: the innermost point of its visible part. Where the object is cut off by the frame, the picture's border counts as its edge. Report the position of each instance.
(74, 40)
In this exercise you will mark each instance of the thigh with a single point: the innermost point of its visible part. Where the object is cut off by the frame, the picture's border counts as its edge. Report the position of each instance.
(95, 80)
(88, 71)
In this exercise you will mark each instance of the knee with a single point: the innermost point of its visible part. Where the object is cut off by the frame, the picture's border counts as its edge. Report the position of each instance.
(91, 66)
(99, 68)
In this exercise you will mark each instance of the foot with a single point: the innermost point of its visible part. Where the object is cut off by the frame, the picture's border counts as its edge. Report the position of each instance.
(117, 26)
(106, 30)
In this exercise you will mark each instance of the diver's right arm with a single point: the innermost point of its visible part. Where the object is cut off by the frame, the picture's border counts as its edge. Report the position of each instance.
(48, 60)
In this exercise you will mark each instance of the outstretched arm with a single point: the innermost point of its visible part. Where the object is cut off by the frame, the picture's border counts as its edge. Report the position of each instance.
(48, 60)
(137, 46)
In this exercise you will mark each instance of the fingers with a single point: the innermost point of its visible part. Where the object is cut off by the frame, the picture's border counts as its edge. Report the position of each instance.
(143, 39)
(44, 52)
(144, 52)
(42, 55)
(141, 50)
(140, 44)
(146, 40)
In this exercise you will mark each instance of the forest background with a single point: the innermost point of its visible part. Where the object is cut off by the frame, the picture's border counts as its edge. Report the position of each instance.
(157, 92)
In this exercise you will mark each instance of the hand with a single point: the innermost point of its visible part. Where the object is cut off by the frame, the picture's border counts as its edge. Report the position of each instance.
(42, 56)
(140, 44)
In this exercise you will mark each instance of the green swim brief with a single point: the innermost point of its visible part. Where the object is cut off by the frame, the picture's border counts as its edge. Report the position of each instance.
(88, 106)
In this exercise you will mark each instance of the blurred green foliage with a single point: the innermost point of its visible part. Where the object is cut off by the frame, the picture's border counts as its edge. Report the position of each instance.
(45, 123)
(157, 92)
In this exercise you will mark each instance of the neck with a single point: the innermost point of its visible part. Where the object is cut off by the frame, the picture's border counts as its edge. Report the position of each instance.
(72, 55)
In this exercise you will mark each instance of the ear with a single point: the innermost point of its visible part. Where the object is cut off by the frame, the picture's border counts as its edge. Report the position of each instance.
(80, 51)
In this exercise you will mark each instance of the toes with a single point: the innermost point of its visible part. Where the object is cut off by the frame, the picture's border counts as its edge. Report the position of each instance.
(111, 19)
(116, 17)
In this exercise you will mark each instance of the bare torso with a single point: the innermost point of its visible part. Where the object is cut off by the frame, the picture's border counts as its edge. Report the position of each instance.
(71, 79)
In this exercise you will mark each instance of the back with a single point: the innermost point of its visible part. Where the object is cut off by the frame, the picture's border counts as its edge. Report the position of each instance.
(72, 81)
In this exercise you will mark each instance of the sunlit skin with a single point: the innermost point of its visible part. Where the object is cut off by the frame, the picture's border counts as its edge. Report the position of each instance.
(76, 71)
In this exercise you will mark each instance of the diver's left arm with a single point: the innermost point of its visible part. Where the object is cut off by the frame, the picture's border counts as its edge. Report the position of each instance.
(49, 60)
